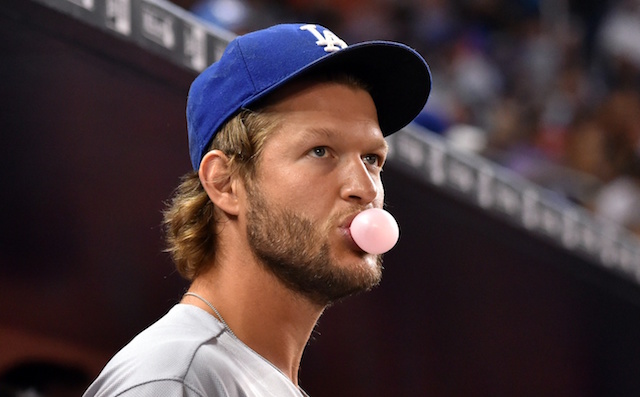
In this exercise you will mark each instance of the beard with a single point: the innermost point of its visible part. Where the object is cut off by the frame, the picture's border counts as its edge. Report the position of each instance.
(299, 254)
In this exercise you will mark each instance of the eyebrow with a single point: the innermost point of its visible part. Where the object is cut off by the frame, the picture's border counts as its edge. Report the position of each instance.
(317, 131)
(326, 132)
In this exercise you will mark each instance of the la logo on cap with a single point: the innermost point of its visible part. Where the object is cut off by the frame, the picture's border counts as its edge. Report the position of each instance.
(328, 39)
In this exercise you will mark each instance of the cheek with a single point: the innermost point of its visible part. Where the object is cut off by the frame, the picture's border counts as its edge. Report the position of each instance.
(379, 200)
(294, 191)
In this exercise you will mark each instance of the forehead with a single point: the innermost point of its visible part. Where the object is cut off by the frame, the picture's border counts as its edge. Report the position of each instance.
(325, 107)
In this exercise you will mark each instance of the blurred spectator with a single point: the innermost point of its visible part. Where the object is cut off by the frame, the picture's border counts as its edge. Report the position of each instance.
(619, 42)
(619, 198)
(619, 202)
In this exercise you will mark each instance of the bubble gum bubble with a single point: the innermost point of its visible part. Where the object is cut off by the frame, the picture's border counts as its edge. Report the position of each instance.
(375, 231)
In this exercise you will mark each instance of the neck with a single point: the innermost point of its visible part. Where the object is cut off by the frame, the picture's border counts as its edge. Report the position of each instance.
(272, 320)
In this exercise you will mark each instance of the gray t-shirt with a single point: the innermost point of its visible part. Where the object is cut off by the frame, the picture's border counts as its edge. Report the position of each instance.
(189, 353)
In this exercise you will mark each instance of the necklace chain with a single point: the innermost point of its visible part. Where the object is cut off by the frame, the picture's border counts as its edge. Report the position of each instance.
(226, 326)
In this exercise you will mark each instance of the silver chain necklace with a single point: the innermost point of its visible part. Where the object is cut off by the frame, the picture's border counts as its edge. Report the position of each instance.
(226, 326)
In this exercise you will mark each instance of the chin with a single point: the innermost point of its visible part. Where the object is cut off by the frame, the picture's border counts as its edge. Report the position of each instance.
(366, 267)
(361, 259)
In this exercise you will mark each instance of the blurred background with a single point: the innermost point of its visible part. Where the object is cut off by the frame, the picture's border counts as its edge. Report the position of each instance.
(547, 88)
(94, 142)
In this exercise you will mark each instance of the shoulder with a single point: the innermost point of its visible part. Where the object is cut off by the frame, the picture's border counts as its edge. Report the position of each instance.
(188, 353)
(165, 356)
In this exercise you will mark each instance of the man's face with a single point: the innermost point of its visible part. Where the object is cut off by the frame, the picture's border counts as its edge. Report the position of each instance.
(317, 171)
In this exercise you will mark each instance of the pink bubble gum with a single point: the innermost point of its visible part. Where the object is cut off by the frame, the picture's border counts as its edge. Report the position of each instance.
(375, 231)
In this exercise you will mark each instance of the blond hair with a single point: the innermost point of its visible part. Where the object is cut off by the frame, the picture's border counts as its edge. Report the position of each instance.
(190, 218)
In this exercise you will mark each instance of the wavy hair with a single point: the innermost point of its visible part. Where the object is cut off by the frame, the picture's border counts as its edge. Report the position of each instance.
(190, 218)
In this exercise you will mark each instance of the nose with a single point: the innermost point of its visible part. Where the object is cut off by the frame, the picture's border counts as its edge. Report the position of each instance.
(359, 184)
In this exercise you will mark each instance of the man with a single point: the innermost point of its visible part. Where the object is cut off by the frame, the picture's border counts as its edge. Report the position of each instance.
(286, 136)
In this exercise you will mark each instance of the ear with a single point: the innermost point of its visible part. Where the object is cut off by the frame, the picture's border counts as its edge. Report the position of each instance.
(218, 183)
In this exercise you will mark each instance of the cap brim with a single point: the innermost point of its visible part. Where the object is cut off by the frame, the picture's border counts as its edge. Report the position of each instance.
(397, 76)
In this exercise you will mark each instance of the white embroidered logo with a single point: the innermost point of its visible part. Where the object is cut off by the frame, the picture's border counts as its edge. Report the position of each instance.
(328, 39)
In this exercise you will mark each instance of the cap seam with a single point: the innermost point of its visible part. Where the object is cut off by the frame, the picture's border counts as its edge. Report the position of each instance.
(246, 68)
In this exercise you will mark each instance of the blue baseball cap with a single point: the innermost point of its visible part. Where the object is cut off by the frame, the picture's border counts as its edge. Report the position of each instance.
(257, 63)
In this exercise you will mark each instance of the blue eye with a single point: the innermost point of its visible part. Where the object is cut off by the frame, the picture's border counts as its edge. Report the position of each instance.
(319, 151)
(371, 159)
